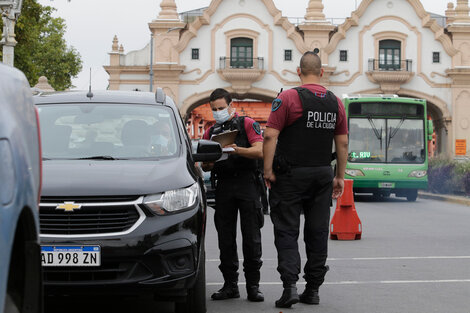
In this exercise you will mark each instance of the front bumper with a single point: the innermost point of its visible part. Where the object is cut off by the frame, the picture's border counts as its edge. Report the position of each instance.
(161, 255)
(364, 185)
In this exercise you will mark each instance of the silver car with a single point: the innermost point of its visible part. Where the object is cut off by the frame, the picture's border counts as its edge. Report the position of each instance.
(20, 181)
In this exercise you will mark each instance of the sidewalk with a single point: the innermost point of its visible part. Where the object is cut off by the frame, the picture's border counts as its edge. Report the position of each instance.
(448, 198)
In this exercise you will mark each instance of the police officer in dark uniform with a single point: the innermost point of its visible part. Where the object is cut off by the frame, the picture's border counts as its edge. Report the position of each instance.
(297, 149)
(237, 190)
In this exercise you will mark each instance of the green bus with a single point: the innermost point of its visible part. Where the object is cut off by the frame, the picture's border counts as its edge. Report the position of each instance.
(388, 150)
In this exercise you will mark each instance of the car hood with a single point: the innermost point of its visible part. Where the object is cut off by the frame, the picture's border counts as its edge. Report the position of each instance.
(118, 177)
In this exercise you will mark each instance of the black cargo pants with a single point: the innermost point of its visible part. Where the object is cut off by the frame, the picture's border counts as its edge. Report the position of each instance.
(239, 193)
(310, 189)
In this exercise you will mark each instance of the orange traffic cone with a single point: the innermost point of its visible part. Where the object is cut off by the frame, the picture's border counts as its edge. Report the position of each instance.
(345, 224)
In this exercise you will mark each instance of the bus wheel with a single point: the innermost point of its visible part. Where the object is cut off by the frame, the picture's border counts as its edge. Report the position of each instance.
(411, 195)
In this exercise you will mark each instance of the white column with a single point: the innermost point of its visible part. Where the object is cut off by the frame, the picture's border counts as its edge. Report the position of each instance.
(8, 38)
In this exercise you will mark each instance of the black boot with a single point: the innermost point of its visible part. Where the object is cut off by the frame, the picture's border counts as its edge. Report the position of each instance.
(254, 295)
(229, 290)
(289, 296)
(310, 296)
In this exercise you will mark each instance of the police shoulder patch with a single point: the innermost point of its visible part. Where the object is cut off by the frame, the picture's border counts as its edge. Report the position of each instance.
(257, 128)
(276, 104)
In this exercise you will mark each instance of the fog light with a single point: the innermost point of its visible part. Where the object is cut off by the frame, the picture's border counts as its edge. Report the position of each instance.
(181, 262)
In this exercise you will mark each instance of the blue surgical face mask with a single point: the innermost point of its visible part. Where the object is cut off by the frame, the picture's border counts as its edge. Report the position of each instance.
(221, 116)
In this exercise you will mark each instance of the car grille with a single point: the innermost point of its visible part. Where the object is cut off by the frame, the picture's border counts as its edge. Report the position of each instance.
(95, 216)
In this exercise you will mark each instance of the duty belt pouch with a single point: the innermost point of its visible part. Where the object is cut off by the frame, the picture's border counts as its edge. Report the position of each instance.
(280, 165)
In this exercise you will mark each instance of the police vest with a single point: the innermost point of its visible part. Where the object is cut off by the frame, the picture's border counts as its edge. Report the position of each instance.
(234, 163)
(308, 142)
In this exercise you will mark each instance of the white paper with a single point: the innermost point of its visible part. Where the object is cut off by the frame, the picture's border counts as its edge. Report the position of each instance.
(223, 157)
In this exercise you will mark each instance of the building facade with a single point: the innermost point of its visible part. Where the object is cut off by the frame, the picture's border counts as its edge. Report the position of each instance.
(250, 49)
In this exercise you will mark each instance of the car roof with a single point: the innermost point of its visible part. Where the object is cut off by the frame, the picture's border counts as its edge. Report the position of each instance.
(99, 96)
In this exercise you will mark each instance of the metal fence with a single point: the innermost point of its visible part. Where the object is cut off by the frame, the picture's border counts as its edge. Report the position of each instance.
(227, 62)
(381, 65)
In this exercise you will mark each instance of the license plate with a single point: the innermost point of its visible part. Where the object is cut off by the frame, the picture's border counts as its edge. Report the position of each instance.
(71, 255)
(386, 185)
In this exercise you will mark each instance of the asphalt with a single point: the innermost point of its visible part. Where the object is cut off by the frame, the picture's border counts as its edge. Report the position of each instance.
(413, 257)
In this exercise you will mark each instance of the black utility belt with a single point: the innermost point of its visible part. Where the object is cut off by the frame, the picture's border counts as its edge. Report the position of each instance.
(286, 168)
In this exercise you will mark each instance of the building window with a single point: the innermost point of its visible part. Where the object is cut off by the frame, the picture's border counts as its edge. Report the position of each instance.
(195, 54)
(343, 55)
(241, 53)
(287, 55)
(436, 57)
(390, 55)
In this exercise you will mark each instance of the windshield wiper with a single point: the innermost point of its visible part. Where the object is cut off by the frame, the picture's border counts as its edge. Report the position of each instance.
(376, 131)
(98, 157)
(395, 130)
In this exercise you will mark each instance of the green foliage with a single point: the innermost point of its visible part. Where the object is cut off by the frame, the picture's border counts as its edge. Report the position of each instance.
(41, 48)
(449, 176)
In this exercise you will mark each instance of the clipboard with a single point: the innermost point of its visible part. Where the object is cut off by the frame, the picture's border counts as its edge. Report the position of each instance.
(226, 138)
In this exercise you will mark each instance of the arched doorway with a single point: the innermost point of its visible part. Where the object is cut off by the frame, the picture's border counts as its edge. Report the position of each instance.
(440, 116)
(198, 115)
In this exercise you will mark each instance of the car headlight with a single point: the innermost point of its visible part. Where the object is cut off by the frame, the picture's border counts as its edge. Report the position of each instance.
(418, 174)
(353, 172)
(173, 200)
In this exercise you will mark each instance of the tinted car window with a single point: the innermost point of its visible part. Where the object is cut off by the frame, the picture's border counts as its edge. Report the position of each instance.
(119, 131)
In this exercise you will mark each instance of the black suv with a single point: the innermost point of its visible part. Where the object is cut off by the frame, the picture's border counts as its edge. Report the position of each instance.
(123, 207)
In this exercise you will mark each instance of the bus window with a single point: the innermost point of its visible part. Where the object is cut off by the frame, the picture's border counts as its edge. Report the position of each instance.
(405, 141)
(366, 140)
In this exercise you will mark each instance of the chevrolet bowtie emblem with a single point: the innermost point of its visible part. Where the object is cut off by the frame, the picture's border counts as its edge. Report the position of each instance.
(68, 206)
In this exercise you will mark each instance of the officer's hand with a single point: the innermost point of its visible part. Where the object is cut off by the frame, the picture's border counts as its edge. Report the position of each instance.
(234, 147)
(338, 187)
(269, 178)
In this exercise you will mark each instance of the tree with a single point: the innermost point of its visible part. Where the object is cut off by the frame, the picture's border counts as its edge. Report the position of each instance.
(42, 49)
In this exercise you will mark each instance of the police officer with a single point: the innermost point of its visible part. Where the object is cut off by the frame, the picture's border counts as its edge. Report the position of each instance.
(297, 148)
(237, 190)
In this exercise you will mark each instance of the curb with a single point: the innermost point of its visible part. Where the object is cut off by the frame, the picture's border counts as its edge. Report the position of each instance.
(446, 198)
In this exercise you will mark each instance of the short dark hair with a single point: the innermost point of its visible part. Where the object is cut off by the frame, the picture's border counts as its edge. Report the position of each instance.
(221, 93)
(310, 64)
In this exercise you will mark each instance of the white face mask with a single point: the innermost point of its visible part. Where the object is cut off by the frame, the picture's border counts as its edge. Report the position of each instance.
(221, 116)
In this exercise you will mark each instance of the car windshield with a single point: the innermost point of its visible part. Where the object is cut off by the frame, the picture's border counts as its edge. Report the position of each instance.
(107, 131)
(391, 140)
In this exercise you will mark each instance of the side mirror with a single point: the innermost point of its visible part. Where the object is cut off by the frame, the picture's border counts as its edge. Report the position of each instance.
(430, 130)
(207, 151)
(160, 96)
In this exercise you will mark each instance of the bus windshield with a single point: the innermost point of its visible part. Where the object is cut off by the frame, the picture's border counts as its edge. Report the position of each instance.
(386, 140)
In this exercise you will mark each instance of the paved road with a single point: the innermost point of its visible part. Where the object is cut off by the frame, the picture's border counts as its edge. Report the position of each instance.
(413, 257)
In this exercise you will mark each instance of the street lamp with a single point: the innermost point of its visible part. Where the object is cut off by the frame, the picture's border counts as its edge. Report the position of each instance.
(10, 10)
(151, 53)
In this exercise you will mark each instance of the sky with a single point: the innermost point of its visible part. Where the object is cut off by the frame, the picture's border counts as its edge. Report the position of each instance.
(92, 24)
